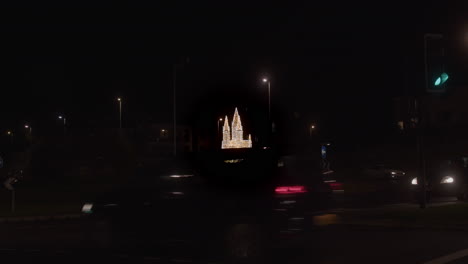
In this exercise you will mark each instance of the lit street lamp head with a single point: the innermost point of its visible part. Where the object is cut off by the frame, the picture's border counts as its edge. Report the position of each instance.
(312, 126)
(119, 99)
(26, 126)
(220, 120)
(60, 117)
(265, 80)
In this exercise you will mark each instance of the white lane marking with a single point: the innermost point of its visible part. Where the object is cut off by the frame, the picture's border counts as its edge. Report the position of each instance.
(449, 258)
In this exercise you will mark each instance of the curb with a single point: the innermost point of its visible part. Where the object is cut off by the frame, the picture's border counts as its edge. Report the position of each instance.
(382, 226)
(39, 218)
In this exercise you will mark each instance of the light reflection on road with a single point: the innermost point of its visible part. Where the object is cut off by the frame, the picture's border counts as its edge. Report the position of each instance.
(326, 219)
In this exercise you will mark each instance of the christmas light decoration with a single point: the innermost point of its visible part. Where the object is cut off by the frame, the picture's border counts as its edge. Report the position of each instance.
(233, 137)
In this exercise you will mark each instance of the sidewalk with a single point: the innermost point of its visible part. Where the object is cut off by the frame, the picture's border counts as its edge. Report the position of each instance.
(40, 211)
(446, 216)
(16, 219)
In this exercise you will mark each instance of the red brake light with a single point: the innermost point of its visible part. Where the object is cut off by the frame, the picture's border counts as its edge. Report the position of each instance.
(336, 186)
(290, 189)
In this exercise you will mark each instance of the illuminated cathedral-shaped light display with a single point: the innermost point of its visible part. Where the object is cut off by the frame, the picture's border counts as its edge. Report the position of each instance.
(233, 137)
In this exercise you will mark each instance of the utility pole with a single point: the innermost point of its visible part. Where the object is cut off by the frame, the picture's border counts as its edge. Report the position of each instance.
(120, 112)
(269, 100)
(174, 85)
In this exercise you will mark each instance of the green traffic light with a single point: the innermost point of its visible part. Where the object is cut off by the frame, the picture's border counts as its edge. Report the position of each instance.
(441, 79)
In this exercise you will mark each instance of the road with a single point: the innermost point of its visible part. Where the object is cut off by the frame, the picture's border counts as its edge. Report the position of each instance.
(68, 241)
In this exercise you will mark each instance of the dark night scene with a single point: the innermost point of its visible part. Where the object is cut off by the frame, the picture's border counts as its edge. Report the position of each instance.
(222, 132)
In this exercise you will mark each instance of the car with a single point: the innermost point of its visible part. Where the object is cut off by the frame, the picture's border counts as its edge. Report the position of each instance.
(384, 172)
(446, 178)
(239, 202)
(373, 185)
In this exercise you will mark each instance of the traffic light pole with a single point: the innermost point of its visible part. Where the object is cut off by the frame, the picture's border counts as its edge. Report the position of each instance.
(420, 104)
(421, 163)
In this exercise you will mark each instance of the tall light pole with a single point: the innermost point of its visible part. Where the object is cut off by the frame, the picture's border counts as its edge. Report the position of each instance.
(265, 80)
(64, 119)
(174, 98)
(29, 128)
(120, 111)
(10, 134)
(219, 121)
(61, 117)
(312, 128)
(174, 85)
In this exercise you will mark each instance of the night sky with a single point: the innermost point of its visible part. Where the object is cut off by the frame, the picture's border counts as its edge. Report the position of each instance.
(342, 61)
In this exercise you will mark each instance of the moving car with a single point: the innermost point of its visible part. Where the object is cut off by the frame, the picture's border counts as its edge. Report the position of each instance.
(384, 172)
(373, 185)
(239, 202)
(446, 178)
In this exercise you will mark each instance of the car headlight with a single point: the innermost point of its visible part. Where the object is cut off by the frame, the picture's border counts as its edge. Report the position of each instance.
(447, 179)
(414, 181)
(87, 208)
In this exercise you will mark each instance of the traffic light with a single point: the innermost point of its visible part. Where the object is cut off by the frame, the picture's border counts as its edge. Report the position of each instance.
(435, 63)
(441, 79)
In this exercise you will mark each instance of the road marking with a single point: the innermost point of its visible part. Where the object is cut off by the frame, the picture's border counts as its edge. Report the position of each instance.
(449, 258)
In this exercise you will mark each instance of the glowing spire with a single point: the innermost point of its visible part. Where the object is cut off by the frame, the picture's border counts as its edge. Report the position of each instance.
(236, 122)
(226, 124)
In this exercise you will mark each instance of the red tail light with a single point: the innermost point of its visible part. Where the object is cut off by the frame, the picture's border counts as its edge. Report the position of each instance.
(290, 189)
(336, 186)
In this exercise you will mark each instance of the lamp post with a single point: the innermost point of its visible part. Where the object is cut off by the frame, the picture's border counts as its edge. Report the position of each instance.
(174, 106)
(219, 121)
(61, 117)
(120, 111)
(64, 119)
(265, 80)
(10, 134)
(312, 128)
(28, 127)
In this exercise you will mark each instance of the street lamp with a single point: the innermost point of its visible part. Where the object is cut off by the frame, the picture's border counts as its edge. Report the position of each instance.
(29, 128)
(61, 117)
(219, 121)
(265, 80)
(312, 128)
(10, 134)
(120, 111)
